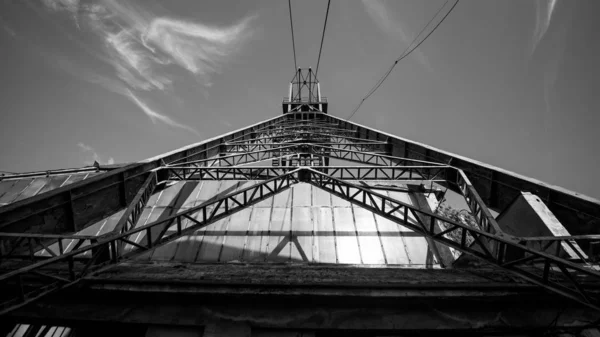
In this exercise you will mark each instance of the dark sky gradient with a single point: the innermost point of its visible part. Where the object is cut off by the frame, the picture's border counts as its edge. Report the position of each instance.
(476, 87)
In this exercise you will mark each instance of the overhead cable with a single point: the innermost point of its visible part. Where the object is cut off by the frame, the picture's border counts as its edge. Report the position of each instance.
(405, 53)
(323, 37)
(292, 28)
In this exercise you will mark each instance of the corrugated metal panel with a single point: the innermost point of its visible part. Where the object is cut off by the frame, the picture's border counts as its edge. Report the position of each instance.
(302, 225)
(16, 189)
(346, 241)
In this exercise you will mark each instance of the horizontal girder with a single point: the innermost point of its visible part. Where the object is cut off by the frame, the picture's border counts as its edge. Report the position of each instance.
(339, 172)
(316, 141)
(547, 270)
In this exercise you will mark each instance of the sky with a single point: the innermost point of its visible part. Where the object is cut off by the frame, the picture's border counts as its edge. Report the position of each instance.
(512, 83)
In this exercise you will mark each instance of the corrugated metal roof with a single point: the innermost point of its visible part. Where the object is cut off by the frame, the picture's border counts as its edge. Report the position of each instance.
(15, 189)
(301, 225)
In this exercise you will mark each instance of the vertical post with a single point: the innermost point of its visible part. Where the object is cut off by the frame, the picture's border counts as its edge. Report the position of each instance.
(299, 87)
(319, 96)
(290, 101)
(309, 85)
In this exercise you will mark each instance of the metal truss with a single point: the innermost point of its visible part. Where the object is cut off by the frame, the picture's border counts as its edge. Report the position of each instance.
(300, 150)
(396, 173)
(243, 158)
(363, 147)
(49, 173)
(66, 268)
(306, 149)
(364, 157)
(479, 211)
(567, 244)
(34, 247)
(306, 129)
(294, 136)
(549, 271)
(546, 270)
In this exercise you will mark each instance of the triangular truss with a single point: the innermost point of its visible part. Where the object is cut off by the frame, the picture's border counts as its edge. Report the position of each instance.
(293, 148)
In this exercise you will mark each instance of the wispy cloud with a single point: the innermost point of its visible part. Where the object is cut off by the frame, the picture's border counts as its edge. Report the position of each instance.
(139, 45)
(543, 17)
(93, 155)
(9, 31)
(138, 42)
(200, 49)
(155, 116)
(384, 19)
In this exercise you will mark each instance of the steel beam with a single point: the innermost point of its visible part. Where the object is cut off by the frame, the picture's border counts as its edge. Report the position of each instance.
(396, 173)
(30, 283)
(497, 187)
(333, 138)
(549, 271)
(76, 206)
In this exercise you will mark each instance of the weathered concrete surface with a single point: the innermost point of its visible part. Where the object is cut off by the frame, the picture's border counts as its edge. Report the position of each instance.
(341, 313)
(306, 275)
(222, 297)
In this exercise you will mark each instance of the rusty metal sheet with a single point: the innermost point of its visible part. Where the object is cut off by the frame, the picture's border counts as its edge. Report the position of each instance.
(14, 191)
(417, 247)
(186, 195)
(166, 252)
(267, 203)
(33, 189)
(188, 247)
(228, 186)
(283, 199)
(325, 239)
(233, 243)
(278, 248)
(302, 234)
(301, 224)
(208, 190)
(339, 202)
(404, 197)
(54, 182)
(301, 195)
(258, 231)
(368, 236)
(75, 177)
(169, 194)
(192, 198)
(168, 204)
(320, 198)
(6, 185)
(153, 216)
(393, 243)
(347, 243)
(213, 241)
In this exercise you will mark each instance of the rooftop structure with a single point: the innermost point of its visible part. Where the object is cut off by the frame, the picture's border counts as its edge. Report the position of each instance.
(303, 224)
